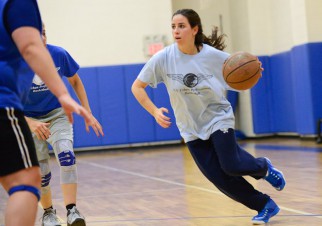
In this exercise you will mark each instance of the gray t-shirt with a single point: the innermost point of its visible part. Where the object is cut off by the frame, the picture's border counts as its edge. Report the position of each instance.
(196, 88)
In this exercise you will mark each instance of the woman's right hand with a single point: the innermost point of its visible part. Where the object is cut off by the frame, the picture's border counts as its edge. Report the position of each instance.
(40, 129)
(160, 118)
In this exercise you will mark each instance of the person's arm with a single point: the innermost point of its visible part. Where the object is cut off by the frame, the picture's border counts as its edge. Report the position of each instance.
(32, 49)
(40, 129)
(80, 91)
(77, 84)
(138, 90)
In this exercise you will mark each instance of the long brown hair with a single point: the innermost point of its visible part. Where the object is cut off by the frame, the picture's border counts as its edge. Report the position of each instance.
(214, 40)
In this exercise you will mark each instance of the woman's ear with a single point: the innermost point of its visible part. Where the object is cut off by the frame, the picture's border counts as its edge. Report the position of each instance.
(195, 30)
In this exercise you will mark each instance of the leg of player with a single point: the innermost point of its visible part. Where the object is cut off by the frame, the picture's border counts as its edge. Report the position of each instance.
(49, 217)
(68, 177)
(23, 187)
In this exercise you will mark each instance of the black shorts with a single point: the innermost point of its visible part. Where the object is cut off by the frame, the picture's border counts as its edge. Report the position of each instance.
(17, 149)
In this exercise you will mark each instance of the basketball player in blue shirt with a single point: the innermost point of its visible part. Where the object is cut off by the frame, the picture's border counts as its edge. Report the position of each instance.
(191, 69)
(49, 123)
(21, 51)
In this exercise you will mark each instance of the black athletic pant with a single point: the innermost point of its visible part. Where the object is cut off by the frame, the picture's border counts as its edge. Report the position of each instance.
(224, 163)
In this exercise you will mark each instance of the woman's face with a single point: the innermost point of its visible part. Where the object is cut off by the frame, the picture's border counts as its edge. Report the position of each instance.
(182, 31)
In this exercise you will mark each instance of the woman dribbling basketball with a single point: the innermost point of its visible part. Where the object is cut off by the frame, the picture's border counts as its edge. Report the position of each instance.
(203, 115)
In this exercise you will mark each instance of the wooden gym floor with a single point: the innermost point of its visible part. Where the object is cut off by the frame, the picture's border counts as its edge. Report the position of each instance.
(161, 186)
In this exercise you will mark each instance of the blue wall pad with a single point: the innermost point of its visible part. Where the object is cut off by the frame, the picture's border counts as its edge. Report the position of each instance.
(303, 99)
(315, 67)
(81, 137)
(262, 101)
(232, 97)
(112, 102)
(140, 123)
(288, 97)
(282, 91)
(123, 119)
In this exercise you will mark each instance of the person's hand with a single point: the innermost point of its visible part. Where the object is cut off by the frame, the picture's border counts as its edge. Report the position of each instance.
(260, 65)
(70, 106)
(161, 119)
(96, 127)
(40, 129)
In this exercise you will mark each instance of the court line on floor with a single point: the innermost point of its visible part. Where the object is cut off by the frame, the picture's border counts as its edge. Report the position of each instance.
(185, 185)
(150, 177)
(94, 221)
(272, 147)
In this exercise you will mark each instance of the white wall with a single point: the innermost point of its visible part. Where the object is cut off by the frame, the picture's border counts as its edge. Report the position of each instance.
(109, 32)
(299, 22)
(266, 27)
(105, 32)
(314, 20)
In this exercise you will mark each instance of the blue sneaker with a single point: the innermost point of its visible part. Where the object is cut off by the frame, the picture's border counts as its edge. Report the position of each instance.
(270, 210)
(275, 177)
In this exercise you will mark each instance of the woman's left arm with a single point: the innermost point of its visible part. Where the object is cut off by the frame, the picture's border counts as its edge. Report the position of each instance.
(77, 84)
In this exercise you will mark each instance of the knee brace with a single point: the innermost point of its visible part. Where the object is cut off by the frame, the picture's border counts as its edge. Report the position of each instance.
(28, 188)
(67, 161)
(45, 176)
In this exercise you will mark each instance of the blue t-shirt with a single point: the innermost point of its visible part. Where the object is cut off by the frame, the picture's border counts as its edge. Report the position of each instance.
(15, 74)
(40, 100)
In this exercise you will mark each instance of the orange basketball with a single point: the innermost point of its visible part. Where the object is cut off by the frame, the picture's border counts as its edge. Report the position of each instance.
(242, 70)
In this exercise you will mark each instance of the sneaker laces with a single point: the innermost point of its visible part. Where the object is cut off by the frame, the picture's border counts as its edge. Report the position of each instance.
(275, 178)
(275, 175)
(272, 176)
(74, 214)
(50, 216)
(265, 213)
(73, 211)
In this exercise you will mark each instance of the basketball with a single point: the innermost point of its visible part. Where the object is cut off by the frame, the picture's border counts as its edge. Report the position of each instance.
(242, 70)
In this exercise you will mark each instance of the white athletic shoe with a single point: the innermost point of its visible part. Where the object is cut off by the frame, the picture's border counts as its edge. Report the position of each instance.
(74, 218)
(50, 218)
